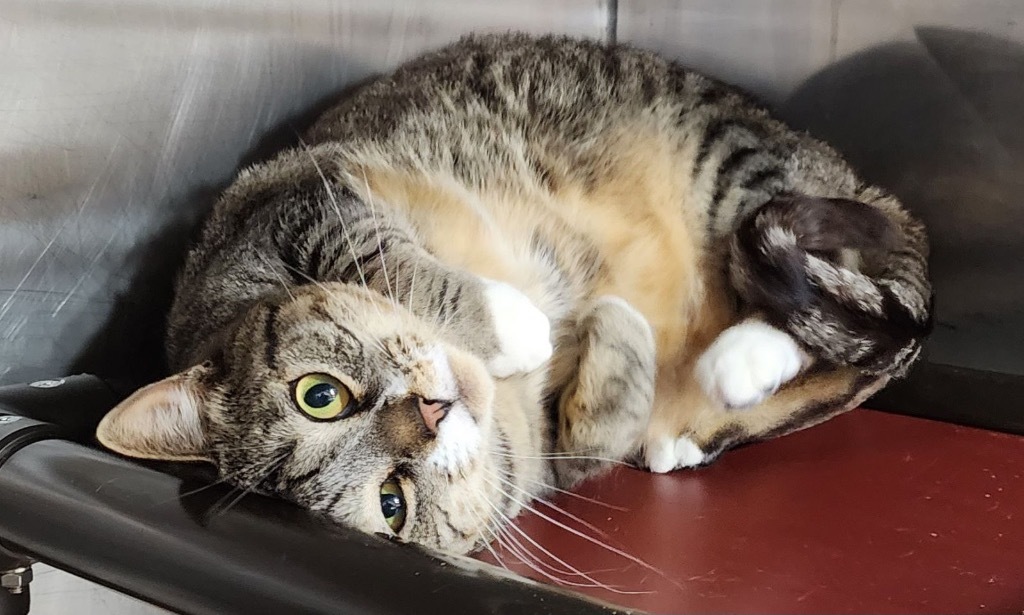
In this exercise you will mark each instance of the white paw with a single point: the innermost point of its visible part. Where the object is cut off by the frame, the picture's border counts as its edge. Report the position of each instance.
(747, 363)
(667, 454)
(523, 331)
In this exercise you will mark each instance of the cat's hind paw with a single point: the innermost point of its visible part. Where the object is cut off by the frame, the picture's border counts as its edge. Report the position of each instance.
(662, 455)
(522, 330)
(747, 363)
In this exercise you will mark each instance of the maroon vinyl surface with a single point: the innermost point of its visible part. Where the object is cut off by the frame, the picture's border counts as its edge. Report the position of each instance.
(869, 512)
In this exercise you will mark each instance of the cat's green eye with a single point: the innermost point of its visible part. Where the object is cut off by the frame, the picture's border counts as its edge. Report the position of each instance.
(322, 397)
(392, 504)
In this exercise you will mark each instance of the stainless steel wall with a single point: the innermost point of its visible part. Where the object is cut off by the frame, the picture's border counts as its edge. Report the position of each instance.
(119, 119)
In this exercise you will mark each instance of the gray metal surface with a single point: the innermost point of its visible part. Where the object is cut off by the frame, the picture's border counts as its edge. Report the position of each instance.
(119, 119)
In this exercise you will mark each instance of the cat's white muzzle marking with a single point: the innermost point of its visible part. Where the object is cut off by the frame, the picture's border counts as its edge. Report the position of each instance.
(458, 439)
(458, 435)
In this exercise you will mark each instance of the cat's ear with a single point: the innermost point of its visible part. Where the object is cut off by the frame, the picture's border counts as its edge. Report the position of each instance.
(160, 421)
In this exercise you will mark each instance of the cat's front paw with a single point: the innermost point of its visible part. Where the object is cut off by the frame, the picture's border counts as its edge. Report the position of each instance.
(747, 363)
(522, 330)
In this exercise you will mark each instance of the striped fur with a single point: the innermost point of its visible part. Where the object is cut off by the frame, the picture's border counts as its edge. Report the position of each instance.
(438, 230)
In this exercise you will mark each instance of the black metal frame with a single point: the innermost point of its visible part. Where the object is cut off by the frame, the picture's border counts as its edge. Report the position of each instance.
(169, 536)
(975, 398)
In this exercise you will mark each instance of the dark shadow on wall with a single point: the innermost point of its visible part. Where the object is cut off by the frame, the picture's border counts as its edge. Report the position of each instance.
(128, 347)
(940, 122)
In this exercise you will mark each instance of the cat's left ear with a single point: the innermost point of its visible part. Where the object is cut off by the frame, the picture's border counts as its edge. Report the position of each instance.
(160, 421)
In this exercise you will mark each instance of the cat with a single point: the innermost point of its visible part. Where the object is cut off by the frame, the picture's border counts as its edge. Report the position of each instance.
(511, 263)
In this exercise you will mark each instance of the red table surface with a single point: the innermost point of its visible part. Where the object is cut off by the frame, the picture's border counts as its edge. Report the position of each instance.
(867, 513)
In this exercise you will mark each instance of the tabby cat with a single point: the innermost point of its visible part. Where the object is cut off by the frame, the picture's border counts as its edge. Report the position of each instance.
(506, 265)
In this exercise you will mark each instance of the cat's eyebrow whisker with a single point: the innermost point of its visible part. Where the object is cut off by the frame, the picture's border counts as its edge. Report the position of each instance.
(277, 274)
(380, 247)
(592, 540)
(390, 294)
(341, 218)
(412, 284)
(348, 309)
(308, 277)
(571, 570)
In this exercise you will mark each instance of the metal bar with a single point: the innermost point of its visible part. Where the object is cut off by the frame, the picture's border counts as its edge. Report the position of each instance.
(165, 535)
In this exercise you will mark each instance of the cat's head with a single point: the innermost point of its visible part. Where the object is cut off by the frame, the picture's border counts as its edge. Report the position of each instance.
(344, 403)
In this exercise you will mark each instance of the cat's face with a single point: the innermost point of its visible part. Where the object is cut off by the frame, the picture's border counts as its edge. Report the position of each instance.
(344, 403)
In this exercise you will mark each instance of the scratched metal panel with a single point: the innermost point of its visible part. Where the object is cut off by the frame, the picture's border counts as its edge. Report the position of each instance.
(119, 119)
(926, 98)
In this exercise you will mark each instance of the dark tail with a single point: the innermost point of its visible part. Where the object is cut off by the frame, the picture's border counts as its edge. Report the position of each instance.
(847, 279)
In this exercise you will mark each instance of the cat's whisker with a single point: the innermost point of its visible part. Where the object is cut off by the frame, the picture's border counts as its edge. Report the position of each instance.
(250, 447)
(566, 456)
(324, 288)
(489, 526)
(550, 505)
(528, 558)
(531, 559)
(412, 283)
(277, 274)
(305, 275)
(497, 538)
(191, 492)
(341, 218)
(391, 292)
(569, 569)
(494, 553)
(576, 495)
(380, 246)
(263, 473)
(590, 539)
(535, 563)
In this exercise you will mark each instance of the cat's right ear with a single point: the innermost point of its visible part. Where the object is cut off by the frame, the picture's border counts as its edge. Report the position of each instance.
(160, 421)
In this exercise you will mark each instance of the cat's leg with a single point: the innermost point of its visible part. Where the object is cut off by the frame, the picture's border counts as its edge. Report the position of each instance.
(691, 427)
(838, 303)
(375, 248)
(604, 410)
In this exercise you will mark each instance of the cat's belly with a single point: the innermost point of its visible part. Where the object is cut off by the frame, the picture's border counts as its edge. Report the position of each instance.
(634, 234)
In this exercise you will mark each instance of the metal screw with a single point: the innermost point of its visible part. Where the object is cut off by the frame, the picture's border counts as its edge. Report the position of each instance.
(16, 580)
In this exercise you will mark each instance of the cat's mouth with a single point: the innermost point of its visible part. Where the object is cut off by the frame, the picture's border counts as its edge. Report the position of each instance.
(457, 442)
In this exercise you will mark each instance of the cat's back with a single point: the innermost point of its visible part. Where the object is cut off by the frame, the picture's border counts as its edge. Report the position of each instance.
(561, 165)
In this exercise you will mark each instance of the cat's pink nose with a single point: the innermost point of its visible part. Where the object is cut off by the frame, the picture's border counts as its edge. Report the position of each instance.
(432, 412)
